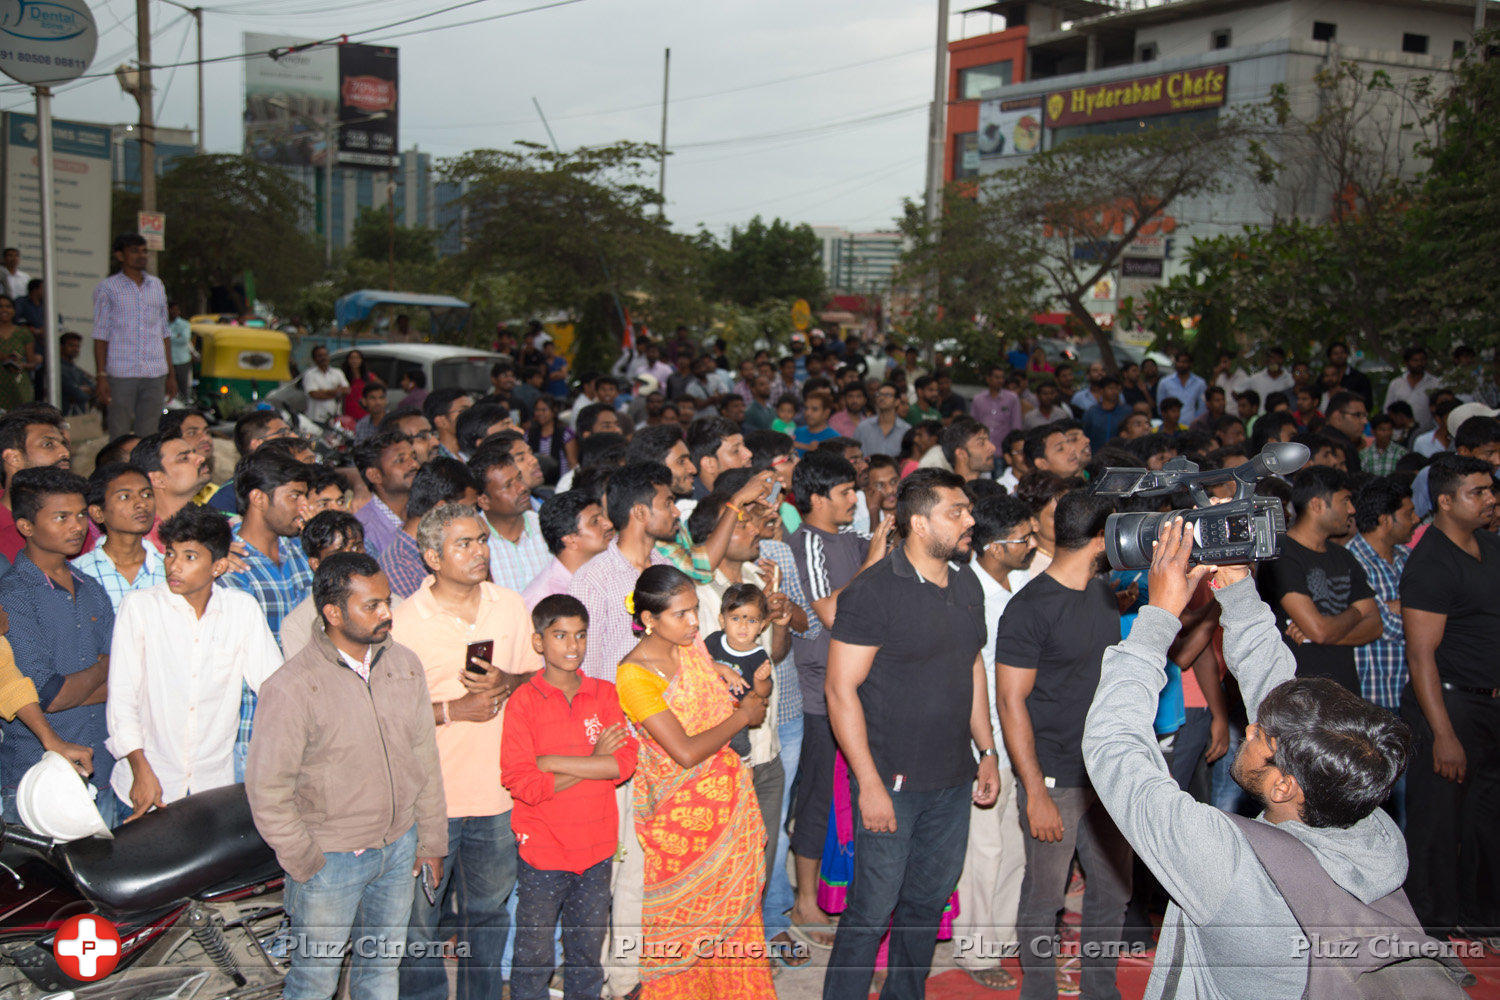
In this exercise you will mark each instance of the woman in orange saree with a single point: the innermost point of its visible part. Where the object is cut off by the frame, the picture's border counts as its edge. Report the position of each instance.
(695, 807)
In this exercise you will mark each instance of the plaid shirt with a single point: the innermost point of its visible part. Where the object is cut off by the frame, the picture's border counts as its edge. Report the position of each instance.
(278, 588)
(601, 584)
(381, 525)
(784, 674)
(101, 567)
(403, 565)
(132, 319)
(1382, 663)
(513, 565)
(1381, 463)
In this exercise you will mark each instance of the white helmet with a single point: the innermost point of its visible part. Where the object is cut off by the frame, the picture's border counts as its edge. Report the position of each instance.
(55, 801)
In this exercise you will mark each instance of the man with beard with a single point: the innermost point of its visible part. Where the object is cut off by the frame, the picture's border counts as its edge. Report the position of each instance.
(194, 430)
(387, 463)
(912, 776)
(32, 436)
(968, 449)
(1319, 588)
(525, 459)
(371, 827)
(1317, 758)
(989, 891)
(1048, 647)
(882, 478)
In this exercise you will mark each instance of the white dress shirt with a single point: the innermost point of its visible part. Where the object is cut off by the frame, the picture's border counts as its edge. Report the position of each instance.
(996, 598)
(317, 380)
(1402, 389)
(174, 685)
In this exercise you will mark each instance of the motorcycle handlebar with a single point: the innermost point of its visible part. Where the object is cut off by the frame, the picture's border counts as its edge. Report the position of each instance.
(15, 833)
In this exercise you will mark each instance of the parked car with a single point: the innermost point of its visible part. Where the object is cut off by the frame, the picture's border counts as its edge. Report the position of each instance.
(443, 365)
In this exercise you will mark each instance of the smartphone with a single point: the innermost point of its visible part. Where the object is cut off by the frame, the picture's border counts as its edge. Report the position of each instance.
(425, 877)
(775, 493)
(483, 650)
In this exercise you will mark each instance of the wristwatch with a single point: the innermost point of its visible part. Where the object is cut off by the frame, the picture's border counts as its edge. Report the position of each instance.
(988, 752)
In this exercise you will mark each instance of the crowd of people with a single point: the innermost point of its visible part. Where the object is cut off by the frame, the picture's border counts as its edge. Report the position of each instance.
(660, 669)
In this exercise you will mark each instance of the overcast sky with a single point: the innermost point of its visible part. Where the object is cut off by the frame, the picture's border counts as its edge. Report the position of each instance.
(839, 140)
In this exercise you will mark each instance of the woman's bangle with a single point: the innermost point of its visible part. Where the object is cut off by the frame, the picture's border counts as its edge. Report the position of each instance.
(446, 718)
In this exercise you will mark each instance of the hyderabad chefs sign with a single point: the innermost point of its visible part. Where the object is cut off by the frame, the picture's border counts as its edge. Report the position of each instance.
(1164, 94)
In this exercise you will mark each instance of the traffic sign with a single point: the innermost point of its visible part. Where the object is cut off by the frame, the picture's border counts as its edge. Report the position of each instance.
(47, 42)
(87, 947)
(152, 226)
(801, 314)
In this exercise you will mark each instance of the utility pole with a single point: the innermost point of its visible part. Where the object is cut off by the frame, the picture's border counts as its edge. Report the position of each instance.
(661, 176)
(937, 138)
(143, 97)
(202, 143)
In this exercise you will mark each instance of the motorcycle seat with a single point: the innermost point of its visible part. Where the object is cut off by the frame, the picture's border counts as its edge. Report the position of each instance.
(170, 854)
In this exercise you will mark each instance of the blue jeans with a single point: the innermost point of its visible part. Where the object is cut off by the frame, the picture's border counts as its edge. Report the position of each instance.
(365, 896)
(901, 881)
(582, 901)
(779, 898)
(480, 870)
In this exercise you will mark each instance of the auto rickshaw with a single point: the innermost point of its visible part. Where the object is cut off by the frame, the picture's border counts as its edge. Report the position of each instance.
(239, 365)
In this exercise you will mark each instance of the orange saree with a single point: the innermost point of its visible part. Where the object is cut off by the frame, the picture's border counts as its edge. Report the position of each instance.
(704, 842)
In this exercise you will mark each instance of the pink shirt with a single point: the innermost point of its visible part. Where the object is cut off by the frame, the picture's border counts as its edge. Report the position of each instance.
(552, 580)
(468, 751)
(843, 423)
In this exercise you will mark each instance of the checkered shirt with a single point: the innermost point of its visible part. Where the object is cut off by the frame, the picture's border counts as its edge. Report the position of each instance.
(278, 589)
(1382, 663)
(132, 320)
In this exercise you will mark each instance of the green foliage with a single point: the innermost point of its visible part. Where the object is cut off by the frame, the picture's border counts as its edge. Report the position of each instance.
(746, 329)
(229, 214)
(566, 228)
(763, 262)
(376, 238)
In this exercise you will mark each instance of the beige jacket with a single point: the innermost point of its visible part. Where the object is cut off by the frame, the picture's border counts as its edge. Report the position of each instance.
(340, 765)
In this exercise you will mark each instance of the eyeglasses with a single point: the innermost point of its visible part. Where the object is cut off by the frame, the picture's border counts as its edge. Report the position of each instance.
(1014, 541)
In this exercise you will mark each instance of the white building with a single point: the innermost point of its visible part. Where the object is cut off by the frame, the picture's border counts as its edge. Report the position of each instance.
(858, 263)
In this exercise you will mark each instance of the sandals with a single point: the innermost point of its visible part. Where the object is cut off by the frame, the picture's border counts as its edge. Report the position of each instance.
(994, 978)
(1068, 972)
(805, 933)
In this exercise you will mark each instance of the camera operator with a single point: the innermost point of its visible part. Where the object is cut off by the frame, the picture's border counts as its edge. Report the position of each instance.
(1319, 759)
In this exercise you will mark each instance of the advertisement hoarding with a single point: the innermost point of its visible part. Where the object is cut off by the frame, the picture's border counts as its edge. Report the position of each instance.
(1009, 128)
(291, 99)
(81, 191)
(1166, 93)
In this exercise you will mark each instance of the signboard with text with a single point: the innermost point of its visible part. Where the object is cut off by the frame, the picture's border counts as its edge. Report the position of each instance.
(1166, 93)
(152, 226)
(1010, 128)
(81, 193)
(367, 107)
(47, 43)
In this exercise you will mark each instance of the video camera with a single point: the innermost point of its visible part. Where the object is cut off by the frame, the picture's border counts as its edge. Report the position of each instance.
(1236, 532)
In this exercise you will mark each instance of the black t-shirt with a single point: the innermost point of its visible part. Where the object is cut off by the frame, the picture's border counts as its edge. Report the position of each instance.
(919, 694)
(952, 405)
(1062, 634)
(1334, 580)
(746, 664)
(1442, 578)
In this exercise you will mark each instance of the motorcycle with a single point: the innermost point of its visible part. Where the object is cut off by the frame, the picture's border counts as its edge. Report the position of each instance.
(192, 889)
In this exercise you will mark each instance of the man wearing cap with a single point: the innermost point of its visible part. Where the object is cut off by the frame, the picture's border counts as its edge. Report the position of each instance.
(642, 386)
(1475, 433)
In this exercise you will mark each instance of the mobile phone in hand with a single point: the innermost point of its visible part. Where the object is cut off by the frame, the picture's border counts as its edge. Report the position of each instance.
(483, 650)
(426, 877)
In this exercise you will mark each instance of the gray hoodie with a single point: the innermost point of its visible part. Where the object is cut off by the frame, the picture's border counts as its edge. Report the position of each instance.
(1233, 933)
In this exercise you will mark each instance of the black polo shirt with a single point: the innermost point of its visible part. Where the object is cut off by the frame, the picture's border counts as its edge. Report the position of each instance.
(1442, 578)
(919, 693)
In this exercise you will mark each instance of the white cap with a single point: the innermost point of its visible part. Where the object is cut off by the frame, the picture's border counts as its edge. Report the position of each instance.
(647, 382)
(55, 801)
(1461, 413)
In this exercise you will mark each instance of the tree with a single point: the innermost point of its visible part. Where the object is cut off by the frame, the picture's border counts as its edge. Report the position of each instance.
(227, 215)
(376, 238)
(1454, 231)
(569, 227)
(762, 262)
(1047, 230)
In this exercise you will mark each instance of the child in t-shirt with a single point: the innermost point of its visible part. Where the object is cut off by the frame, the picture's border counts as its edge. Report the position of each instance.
(564, 749)
(786, 415)
(742, 617)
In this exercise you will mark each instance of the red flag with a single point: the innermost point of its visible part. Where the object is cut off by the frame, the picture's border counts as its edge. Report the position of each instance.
(627, 336)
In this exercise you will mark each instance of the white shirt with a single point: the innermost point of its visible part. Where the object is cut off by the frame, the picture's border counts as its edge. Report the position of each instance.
(1008, 480)
(174, 685)
(1232, 382)
(996, 598)
(1428, 444)
(316, 380)
(15, 284)
(1416, 396)
(1264, 383)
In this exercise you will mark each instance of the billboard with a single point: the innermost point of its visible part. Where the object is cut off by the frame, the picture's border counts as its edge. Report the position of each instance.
(291, 100)
(81, 200)
(1166, 93)
(1010, 128)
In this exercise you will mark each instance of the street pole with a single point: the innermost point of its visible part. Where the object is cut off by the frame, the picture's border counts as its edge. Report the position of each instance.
(937, 138)
(202, 143)
(329, 155)
(661, 176)
(390, 194)
(143, 99)
(53, 350)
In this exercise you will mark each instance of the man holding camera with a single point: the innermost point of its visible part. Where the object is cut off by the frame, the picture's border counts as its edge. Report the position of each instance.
(1319, 759)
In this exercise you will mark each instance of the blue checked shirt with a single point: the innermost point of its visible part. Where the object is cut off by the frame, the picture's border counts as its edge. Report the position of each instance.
(278, 589)
(1382, 664)
(513, 565)
(784, 674)
(100, 567)
(403, 565)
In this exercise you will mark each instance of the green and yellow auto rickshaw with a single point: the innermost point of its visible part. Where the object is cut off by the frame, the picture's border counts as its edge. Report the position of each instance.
(239, 365)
